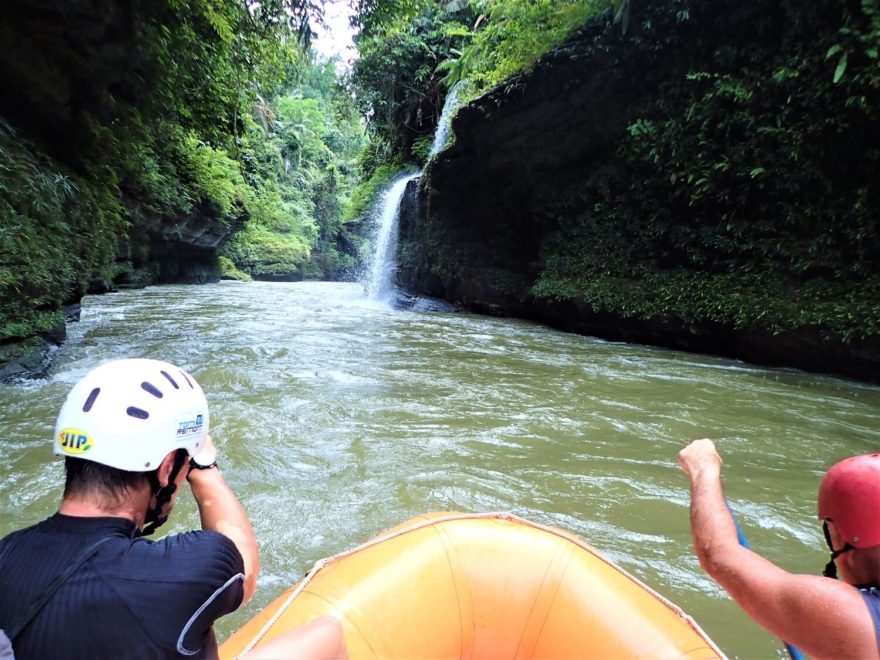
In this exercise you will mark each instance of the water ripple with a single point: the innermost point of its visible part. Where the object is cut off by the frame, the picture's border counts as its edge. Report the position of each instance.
(337, 418)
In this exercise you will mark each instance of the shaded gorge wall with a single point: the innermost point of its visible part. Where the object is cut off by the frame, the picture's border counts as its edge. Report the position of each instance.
(101, 187)
(699, 180)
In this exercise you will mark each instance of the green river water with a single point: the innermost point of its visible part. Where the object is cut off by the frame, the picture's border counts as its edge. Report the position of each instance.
(337, 418)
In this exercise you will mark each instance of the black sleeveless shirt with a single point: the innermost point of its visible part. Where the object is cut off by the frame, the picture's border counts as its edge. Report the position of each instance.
(134, 598)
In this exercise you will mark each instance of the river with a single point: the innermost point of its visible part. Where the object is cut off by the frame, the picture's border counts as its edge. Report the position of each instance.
(336, 418)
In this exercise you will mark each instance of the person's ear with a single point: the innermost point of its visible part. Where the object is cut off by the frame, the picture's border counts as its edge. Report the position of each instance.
(165, 467)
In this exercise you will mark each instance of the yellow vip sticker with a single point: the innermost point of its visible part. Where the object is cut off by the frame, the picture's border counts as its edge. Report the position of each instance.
(74, 441)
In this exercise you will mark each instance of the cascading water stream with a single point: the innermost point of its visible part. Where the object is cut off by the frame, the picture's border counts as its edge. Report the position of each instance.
(444, 125)
(381, 285)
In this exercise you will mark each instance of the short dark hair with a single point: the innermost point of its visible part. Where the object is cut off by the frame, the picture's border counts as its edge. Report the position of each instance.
(84, 477)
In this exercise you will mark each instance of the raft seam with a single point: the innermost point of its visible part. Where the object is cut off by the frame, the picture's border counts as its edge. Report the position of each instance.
(445, 542)
(564, 569)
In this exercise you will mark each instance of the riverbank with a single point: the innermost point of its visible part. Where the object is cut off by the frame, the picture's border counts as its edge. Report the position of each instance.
(33, 331)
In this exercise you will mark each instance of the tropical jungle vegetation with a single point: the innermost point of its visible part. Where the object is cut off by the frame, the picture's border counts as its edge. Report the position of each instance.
(739, 196)
(135, 139)
(170, 141)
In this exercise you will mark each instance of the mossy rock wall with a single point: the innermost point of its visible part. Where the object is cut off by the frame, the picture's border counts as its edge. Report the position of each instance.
(76, 148)
(701, 180)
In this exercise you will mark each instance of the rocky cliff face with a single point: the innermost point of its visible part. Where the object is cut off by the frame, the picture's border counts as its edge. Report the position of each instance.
(68, 67)
(183, 259)
(162, 251)
(67, 73)
(532, 157)
(171, 250)
(474, 231)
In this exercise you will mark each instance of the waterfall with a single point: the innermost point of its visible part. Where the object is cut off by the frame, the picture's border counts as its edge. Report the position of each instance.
(381, 284)
(444, 125)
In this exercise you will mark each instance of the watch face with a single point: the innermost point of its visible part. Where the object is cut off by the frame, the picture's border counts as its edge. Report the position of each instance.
(205, 457)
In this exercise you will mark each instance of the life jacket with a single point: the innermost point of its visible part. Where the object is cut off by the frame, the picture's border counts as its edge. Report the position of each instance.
(872, 599)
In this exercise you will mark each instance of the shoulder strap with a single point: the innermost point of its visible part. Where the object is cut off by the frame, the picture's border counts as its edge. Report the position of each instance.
(871, 597)
(13, 631)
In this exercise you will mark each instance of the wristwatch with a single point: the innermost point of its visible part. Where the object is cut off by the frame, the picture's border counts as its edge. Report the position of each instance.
(204, 460)
(195, 465)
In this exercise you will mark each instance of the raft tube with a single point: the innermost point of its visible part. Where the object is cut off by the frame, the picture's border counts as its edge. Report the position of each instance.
(480, 586)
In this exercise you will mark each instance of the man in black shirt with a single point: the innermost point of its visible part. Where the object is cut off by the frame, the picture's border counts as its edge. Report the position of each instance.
(85, 583)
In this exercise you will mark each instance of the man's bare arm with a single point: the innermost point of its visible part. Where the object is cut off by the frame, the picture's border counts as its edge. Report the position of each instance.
(221, 511)
(822, 617)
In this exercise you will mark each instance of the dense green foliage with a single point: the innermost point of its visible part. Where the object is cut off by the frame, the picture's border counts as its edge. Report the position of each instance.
(741, 195)
(128, 135)
(396, 79)
(229, 271)
(413, 51)
(52, 223)
(510, 35)
(133, 121)
(748, 198)
(300, 149)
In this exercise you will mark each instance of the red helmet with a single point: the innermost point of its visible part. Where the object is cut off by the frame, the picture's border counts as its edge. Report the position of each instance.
(849, 496)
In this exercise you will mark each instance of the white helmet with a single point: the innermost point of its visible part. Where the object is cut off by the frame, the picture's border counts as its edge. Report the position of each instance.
(129, 414)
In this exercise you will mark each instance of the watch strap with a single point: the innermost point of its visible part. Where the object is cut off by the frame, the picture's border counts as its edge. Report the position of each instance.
(198, 466)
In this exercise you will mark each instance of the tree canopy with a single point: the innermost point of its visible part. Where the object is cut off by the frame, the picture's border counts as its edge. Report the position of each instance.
(122, 121)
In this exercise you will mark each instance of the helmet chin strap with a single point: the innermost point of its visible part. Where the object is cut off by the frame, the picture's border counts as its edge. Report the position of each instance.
(155, 518)
(831, 568)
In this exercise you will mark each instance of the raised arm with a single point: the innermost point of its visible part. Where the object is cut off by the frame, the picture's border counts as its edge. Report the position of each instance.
(221, 511)
(822, 617)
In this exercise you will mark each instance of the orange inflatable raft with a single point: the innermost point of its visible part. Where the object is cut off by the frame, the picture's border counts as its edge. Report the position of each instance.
(481, 586)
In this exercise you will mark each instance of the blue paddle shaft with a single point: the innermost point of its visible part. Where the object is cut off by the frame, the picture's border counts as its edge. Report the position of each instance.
(793, 652)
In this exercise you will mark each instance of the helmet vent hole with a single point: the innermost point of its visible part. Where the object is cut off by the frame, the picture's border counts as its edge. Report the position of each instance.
(170, 380)
(187, 380)
(90, 401)
(152, 389)
(137, 412)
